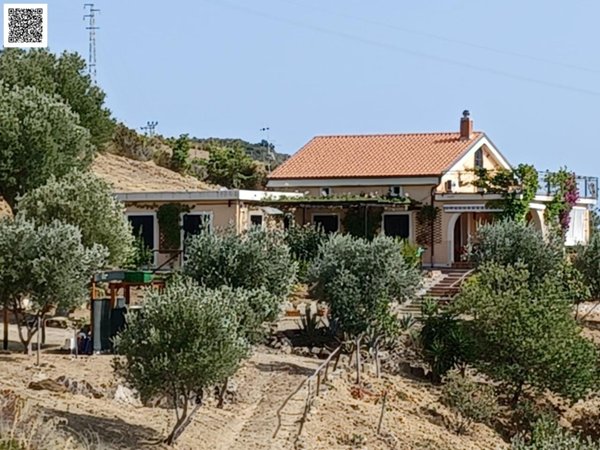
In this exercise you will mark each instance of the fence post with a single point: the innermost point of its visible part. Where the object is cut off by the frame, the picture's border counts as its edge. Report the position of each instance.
(306, 408)
(318, 383)
(382, 411)
(337, 359)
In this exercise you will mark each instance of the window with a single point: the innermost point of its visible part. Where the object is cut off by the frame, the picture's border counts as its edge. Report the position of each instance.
(396, 225)
(193, 223)
(256, 220)
(479, 158)
(329, 222)
(143, 225)
(325, 191)
(396, 191)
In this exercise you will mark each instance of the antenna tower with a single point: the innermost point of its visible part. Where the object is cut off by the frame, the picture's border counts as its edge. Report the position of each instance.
(91, 16)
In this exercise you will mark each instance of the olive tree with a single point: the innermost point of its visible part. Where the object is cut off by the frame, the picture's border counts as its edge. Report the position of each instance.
(86, 201)
(63, 75)
(510, 242)
(253, 260)
(360, 280)
(254, 308)
(43, 267)
(40, 136)
(185, 339)
(525, 334)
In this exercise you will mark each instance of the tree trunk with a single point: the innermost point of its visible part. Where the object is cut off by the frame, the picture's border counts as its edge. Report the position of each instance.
(184, 420)
(5, 337)
(222, 394)
(357, 349)
(38, 349)
(26, 341)
(170, 440)
(517, 394)
(377, 368)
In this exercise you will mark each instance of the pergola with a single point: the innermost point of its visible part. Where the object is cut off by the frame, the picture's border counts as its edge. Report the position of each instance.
(345, 202)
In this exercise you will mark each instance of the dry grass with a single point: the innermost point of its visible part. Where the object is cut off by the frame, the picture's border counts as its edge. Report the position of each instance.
(25, 426)
(129, 175)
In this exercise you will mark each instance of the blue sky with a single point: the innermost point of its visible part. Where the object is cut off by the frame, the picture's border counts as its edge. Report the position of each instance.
(527, 70)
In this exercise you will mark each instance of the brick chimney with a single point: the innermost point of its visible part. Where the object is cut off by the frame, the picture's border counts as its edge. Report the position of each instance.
(466, 126)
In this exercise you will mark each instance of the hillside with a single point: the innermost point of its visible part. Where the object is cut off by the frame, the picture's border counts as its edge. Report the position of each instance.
(129, 175)
(261, 151)
(249, 419)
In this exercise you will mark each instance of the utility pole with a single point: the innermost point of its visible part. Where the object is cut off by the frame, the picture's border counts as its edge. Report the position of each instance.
(91, 16)
(270, 155)
(149, 128)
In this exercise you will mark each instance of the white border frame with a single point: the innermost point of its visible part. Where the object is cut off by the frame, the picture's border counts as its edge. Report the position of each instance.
(337, 215)
(156, 233)
(44, 43)
(411, 223)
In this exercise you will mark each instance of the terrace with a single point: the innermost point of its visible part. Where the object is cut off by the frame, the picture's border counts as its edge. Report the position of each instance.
(586, 185)
(461, 182)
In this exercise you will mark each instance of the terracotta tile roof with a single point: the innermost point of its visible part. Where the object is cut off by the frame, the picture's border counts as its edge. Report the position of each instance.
(382, 155)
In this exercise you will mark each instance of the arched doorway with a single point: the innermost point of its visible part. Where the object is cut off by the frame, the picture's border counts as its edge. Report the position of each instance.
(462, 232)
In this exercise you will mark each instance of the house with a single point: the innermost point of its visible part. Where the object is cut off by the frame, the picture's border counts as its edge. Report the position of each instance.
(147, 189)
(416, 186)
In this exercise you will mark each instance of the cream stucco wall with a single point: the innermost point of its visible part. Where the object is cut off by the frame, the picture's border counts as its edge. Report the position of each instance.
(462, 174)
(222, 215)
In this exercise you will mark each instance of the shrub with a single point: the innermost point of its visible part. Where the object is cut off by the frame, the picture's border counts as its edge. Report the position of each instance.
(181, 150)
(528, 412)
(141, 256)
(186, 339)
(445, 340)
(161, 157)
(549, 435)
(256, 259)
(411, 254)
(304, 243)
(526, 334)
(509, 243)
(360, 279)
(587, 261)
(46, 265)
(468, 400)
(86, 201)
(40, 136)
(126, 142)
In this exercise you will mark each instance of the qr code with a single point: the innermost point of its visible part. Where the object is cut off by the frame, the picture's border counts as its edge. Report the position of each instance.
(25, 25)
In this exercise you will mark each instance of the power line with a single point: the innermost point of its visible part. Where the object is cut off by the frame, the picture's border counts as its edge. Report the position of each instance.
(446, 39)
(407, 51)
(91, 16)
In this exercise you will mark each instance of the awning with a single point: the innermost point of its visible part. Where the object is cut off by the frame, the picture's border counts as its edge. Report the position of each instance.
(469, 208)
(270, 211)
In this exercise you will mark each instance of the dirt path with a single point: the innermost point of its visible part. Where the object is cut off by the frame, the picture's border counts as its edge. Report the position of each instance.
(253, 427)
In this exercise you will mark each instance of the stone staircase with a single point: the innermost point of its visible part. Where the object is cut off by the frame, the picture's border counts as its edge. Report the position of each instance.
(441, 285)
